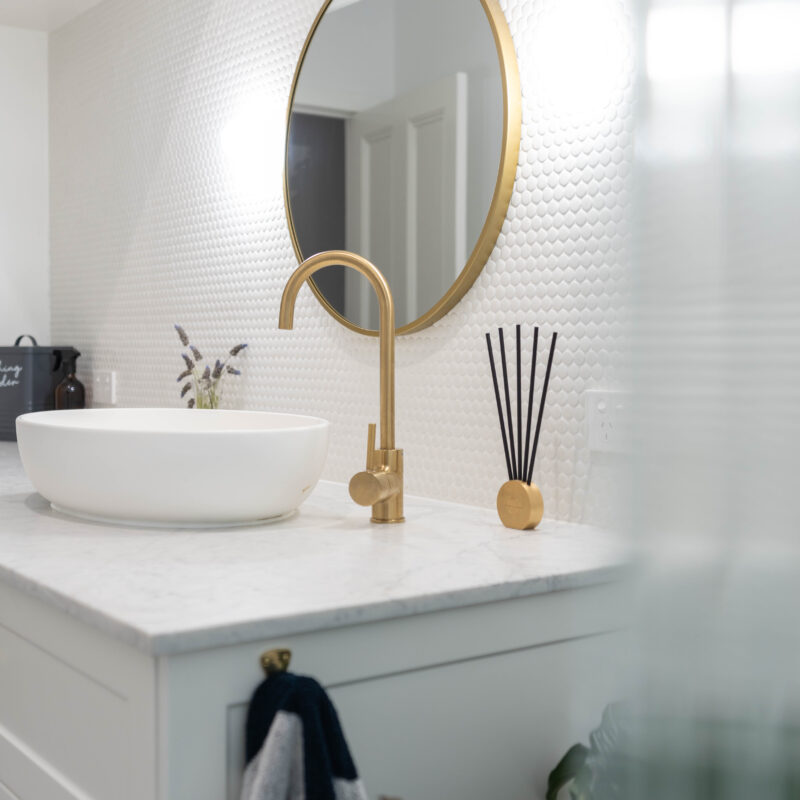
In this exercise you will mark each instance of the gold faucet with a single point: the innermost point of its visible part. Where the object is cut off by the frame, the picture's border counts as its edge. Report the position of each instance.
(381, 484)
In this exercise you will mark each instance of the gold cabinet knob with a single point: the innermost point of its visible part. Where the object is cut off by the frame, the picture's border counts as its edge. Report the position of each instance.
(369, 488)
(273, 661)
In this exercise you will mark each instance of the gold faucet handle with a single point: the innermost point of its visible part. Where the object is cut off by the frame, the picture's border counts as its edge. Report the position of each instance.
(371, 429)
(368, 488)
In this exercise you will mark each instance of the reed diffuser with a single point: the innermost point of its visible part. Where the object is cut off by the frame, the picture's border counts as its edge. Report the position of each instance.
(519, 501)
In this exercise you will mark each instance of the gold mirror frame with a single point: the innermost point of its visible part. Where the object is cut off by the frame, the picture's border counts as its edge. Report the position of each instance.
(504, 186)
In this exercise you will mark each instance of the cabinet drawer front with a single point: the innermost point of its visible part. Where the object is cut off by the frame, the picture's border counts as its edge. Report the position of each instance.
(72, 722)
(24, 775)
(490, 727)
(77, 718)
(439, 664)
(5, 793)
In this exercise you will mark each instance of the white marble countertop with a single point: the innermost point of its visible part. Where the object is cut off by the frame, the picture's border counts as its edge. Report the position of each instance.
(169, 591)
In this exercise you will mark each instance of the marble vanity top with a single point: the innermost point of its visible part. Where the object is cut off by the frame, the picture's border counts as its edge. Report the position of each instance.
(170, 591)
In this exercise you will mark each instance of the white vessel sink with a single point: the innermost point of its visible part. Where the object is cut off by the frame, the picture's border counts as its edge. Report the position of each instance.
(173, 467)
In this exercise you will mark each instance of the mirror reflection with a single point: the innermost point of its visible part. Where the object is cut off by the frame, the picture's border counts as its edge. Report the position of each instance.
(393, 148)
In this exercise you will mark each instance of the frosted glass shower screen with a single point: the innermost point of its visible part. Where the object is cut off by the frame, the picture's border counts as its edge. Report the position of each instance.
(716, 373)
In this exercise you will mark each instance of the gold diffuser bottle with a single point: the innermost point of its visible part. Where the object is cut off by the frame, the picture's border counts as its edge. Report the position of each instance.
(520, 505)
(519, 502)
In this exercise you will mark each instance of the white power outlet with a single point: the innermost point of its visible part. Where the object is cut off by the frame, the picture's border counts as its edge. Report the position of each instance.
(104, 387)
(607, 421)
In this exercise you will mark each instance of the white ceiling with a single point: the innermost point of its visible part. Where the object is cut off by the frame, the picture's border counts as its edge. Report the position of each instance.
(41, 15)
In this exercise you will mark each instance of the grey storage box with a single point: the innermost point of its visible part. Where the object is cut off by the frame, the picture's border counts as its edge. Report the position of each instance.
(28, 379)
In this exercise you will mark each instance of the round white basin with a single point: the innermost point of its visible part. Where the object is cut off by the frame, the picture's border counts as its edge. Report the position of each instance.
(162, 466)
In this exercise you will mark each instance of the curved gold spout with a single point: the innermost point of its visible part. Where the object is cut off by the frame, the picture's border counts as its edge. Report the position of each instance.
(381, 485)
(386, 332)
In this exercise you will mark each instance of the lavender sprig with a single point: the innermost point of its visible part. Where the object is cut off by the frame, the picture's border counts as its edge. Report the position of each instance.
(208, 384)
(182, 334)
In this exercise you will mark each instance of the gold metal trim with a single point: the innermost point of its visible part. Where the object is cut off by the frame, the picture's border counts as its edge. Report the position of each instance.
(504, 186)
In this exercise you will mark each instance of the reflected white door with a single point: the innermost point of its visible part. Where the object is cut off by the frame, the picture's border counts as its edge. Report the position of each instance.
(406, 182)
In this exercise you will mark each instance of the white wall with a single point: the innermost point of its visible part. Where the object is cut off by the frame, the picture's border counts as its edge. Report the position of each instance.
(167, 134)
(24, 193)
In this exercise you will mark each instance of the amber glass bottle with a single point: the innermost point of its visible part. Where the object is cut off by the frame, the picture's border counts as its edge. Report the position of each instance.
(70, 393)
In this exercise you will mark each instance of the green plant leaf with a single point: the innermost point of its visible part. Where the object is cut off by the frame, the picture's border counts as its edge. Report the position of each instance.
(566, 769)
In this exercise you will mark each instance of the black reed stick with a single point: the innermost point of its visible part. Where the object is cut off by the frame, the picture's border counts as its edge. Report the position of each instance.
(541, 407)
(499, 403)
(530, 398)
(512, 449)
(519, 400)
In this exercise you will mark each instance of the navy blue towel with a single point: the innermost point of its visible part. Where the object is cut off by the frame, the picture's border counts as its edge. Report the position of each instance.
(295, 746)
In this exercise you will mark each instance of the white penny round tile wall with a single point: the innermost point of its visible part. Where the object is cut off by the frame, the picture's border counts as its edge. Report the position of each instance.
(167, 130)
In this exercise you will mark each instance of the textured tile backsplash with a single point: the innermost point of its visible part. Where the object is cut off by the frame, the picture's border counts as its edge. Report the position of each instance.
(166, 151)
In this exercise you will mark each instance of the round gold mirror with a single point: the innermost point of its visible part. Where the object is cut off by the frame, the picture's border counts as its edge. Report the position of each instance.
(402, 144)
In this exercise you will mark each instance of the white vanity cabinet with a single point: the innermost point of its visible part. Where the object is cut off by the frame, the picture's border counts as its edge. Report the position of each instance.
(464, 659)
(472, 703)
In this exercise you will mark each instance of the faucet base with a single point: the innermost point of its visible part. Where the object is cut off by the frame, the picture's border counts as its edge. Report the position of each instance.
(381, 485)
(389, 509)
